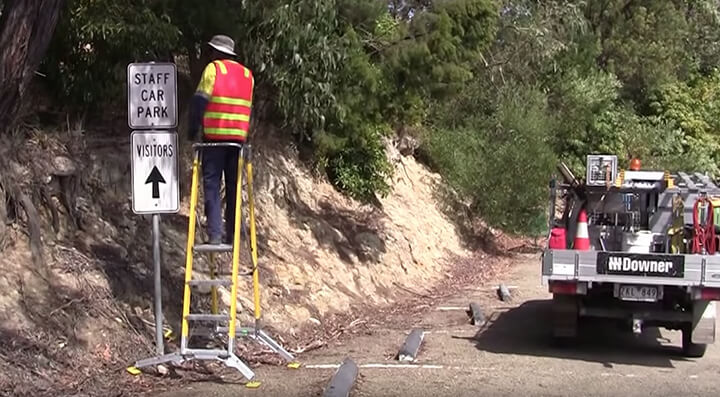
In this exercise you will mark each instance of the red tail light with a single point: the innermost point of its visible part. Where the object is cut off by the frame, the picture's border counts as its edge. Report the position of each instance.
(564, 287)
(710, 294)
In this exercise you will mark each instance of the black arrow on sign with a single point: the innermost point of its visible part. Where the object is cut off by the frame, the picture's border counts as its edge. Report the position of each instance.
(156, 179)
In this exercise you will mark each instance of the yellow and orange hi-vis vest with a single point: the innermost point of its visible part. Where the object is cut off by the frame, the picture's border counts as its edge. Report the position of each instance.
(227, 116)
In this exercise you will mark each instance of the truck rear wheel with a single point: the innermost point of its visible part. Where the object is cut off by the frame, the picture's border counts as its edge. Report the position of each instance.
(690, 349)
(565, 318)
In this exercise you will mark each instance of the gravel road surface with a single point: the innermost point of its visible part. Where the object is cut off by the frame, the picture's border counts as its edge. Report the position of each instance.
(511, 355)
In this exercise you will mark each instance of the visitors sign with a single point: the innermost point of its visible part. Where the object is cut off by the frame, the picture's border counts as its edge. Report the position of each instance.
(154, 172)
(152, 95)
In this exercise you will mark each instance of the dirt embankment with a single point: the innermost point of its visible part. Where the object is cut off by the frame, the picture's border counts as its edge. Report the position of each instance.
(88, 307)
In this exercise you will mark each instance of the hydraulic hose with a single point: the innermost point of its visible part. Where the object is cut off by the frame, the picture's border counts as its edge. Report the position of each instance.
(704, 236)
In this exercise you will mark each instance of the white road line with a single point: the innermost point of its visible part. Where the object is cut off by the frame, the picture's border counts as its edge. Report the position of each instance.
(451, 308)
(606, 374)
(493, 288)
(322, 366)
(402, 366)
(461, 368)
(333, 366)
(423, 366)
(451, 331)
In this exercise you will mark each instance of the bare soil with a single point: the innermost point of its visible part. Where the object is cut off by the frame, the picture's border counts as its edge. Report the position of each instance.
(72, 323)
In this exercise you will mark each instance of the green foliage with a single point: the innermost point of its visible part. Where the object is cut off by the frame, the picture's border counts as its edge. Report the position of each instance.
(95, 40)
(352, 147)
(693, 108)
(297, 49)
(434, 54)
(651, 43)
(498, 89)
(346, 73)
(590, 115)
(634, 79)
(361, 168)
(339, 74)
(502, 161)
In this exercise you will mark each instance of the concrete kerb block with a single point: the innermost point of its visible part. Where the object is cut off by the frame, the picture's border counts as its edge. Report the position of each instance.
(503, 293)
(476, 314)
(409, 349)
(343, 380)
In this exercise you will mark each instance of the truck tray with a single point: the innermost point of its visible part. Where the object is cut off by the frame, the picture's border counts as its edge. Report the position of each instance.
(624, 267)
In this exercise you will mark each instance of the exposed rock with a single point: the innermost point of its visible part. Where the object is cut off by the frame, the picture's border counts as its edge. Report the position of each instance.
(63, 166)
(371, 246)
(407, 145)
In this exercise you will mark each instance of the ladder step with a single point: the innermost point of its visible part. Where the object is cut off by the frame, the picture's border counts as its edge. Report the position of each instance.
(207, 353)
(208, 317)
(206, 332)
(210, 248)
(219, 282)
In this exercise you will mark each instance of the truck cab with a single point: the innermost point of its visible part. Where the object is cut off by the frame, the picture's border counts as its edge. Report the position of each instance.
(636, 246)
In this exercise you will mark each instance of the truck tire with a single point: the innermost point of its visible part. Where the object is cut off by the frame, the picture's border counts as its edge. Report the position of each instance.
(564, 318)
(695, 350)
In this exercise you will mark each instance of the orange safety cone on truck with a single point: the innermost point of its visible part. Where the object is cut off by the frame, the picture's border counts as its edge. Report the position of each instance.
(582, 237)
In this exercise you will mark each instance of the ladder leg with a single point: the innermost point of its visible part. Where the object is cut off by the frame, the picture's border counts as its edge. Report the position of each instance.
(189, 255)
(213, 290)
(253, 246)
(236, 254)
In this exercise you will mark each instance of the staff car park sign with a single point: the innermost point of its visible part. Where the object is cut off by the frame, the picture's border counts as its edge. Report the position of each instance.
(152, 95)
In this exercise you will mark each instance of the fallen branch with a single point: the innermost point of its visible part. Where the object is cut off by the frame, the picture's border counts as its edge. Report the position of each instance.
(34, 225)
(405, 171)
(312, 346)
(356, 322)
(413, 292)
(68, 304)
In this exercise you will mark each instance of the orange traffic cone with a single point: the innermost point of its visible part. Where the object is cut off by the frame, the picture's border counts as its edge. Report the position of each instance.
(582, 237)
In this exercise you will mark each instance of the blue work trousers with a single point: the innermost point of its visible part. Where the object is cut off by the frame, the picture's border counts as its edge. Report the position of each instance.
(216, 162)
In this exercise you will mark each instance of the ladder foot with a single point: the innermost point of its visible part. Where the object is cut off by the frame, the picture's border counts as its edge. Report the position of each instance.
(234, 362)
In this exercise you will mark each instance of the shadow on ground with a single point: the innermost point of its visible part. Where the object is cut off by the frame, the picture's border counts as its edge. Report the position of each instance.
(526, 330)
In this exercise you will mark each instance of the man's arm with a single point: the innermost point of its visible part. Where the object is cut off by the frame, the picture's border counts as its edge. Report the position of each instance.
(200, 100)
(198, 103)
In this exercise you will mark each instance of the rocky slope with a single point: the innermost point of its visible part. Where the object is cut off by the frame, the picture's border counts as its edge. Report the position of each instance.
(320, 253)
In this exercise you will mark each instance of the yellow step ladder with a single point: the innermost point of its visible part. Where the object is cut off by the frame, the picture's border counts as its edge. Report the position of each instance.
(226, 354)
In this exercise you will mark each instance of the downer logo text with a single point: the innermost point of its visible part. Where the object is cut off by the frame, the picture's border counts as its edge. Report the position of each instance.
(640, 264)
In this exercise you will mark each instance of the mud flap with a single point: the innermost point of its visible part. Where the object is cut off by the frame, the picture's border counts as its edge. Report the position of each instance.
(565, 316)
(704, 313)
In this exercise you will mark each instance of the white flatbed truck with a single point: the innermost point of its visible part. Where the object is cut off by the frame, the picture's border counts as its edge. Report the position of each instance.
(640, 268)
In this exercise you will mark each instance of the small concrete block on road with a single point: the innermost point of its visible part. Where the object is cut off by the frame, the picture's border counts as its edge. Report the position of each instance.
(503, 293)
(343, 380)
(476, 313)
(409, 349)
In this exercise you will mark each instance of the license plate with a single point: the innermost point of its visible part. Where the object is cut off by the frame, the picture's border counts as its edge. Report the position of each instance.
(638, 293)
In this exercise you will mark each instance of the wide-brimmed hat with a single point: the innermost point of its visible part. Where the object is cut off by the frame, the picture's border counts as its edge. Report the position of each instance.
(224, 44)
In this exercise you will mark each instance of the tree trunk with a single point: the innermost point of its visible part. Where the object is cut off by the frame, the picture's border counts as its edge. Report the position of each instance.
(26, 28)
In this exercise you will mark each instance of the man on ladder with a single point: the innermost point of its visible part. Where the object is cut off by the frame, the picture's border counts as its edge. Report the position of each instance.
(221, 105)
